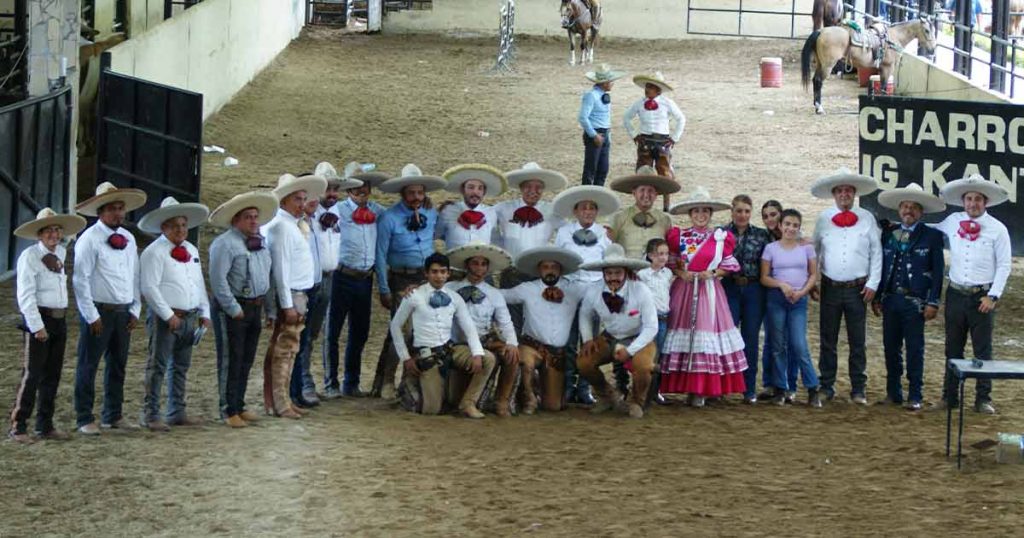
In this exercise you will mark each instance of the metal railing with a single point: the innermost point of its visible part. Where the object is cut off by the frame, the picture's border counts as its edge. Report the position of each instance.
(14, 55)
(740, 11)
(169, 6)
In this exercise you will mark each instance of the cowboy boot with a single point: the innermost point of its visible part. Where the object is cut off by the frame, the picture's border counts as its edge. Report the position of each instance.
(607, 399)
(503, 396)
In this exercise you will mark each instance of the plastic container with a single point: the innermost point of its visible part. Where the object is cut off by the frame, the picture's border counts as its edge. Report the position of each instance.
(876, 85)
(1010, 448)
(771, 72)
(864, 75)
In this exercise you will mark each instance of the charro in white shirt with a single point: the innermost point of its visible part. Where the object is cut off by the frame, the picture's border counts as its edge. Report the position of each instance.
(655, 121)
(168, 284)
(592, 253)
(103, 274)
(984, 261)
(432, 327)
(638, 318)
(546, 321)
(514, 237)
(39, 286)
(850, 253)
(455, 235)
(291, 258)
(660, 284)
(491, 311)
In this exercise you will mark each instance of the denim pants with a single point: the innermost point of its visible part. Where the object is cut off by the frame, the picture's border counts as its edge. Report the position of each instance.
(747, 306)
(790, 353)
(112, 345)
(595, 159)
(237, 340)
(319, 299)
(903, 322)
(351, 298)
(574, 382)
(836, 303)
(170, 356)
(963, 319)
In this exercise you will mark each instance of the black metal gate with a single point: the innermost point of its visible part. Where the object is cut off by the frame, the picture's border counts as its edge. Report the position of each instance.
(786, 19)
(149, 137)
(35, 140)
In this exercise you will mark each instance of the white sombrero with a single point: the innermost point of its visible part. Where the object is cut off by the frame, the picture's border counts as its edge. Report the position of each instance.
(604, 74)
(412, 175)
(500, 260)
(615, 256)
(657, 79)
(911, 193)
(528, 259)
(315, 186)
(490, 176)
(194, 213)
(354, 170)
(69, 224)
(606, 200)
(264, 201)
(954, 191)
(107, 193)
(553, 181)
(645, 175)
(700, 197)
(327, 171)
(822, 187)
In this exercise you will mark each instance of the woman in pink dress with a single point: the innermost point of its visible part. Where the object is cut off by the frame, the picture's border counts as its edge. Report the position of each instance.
(708, 362)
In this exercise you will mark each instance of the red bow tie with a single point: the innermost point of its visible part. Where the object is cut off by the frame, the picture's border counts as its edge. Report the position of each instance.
(969, 230)
(363, 216)
(613, 302)
(180, 253)
(527, 216)
(472, 219)
(553, 294)
(117, 241)
(844, 219)
(650, 104)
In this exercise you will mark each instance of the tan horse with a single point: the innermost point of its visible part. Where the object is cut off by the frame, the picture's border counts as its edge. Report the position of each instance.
(831, 44)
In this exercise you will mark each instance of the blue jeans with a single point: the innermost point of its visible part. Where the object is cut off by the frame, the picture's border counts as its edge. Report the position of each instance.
(789, 341)
(662, 333)
(574, 383)
(319, 299)
(747, 306)
(112, 344)
(902, 321)
(595, 160)
(170, 357)
(352, 298)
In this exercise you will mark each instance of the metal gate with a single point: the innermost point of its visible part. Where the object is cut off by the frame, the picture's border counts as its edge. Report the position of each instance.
(149, 137)
(787, 19)
(35, 141)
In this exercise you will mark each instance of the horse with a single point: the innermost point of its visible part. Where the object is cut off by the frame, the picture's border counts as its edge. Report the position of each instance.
(578, 21)
(828, 45)
(827, 13)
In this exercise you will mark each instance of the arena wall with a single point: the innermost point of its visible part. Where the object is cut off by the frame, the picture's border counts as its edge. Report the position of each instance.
(214, 48)
(919, 78)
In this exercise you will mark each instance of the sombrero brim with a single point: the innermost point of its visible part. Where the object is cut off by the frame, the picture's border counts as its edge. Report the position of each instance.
(132, 198)
(954, 191)
(527, 260)
(265, 202)
(70, 224)
(500, 260)
(396, 184)
(822, 187)
(626, 263)
(606, 200)
(196, 214)
(491, 177)
(372, 179)
(683, 208)
(892, 199)
(642, 80)
(661, 184)
(344, 184)
(611, 77)
(553, 181)
(315, 187)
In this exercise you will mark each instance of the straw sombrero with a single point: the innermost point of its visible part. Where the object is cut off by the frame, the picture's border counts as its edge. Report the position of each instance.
(196, 214)
(657, 79)
(604, 74)
(606, 200)
(264, 201)
(553, 181)
(491, 177)
(327, 171)
(953, 192)
(315, 186)
(107, 193)
(412, 175)
(700, 197)
(645, 175)
(356, 170)
(69, 224)
(615, 256)
(528, 259)
(822, 187)
(911, 193)
(500, 260)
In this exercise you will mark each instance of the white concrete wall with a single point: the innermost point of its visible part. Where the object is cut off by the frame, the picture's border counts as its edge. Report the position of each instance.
(920, 78)
(143, 15)
(214, 48)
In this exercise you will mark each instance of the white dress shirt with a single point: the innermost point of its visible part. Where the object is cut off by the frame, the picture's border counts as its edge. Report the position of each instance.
(655, 121)
(515, 238)
(290, 255)
(660, 284)
(169, 284)
(638, 318)
(492, 311)
(329, 240)
(592, 253)
(986, 260)
(545, 321)
(432, 327)
(847, 254)
(103, 274)
(454, 235)
(39, 286)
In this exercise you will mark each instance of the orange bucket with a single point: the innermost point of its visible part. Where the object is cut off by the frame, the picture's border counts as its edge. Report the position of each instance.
(771, 72)
(864, 75)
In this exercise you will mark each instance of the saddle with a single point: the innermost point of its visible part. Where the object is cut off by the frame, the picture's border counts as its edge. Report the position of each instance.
(874, 38)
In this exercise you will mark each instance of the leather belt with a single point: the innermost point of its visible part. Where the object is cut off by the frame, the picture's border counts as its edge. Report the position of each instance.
(552, 356)
(857, 283)
(354, 273)
(255, 301)
(184, 313)
(108, 307)
(612, 341)
(601, 129)
(742, 280)
(970, 290)
(55, 313)
(405, 270)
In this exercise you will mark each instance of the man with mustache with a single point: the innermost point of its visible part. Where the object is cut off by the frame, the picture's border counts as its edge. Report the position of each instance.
(633, 226)
(470, 220)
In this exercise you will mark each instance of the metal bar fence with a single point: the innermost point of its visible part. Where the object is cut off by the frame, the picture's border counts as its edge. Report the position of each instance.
(740, 11)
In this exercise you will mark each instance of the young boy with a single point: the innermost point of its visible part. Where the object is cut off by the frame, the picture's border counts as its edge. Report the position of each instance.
(659, 279)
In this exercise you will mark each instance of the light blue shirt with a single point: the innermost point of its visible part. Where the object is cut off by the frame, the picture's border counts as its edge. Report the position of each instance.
(594, 114)
(237, 272)
(399, 247)
(358, 241)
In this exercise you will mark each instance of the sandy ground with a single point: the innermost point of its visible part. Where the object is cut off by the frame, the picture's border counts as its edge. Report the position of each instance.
(359, 467)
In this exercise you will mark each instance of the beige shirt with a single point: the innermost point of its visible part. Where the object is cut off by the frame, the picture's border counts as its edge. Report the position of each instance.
(633, 238)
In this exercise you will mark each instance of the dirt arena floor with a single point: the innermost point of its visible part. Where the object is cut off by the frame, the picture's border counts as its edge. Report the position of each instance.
(362, 468)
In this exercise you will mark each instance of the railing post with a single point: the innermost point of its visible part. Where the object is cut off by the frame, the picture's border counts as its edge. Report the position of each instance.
(963, 38)
(1000, 24)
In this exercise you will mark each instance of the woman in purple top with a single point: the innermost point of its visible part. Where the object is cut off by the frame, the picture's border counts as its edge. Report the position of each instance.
(789, 270)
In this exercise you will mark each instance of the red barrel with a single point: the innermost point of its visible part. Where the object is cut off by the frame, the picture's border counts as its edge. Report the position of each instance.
(771, 72)
(864, 75)
(876, 85)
